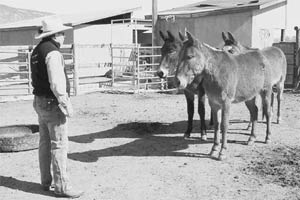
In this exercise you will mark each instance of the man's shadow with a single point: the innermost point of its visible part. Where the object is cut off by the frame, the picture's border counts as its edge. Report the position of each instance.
(151, 139)
(24, 186)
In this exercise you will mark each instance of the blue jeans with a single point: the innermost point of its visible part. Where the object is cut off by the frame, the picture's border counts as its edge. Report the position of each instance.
(53, 145)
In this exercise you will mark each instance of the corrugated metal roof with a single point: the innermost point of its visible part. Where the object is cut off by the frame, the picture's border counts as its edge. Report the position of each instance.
(70, 19)
(211, 6)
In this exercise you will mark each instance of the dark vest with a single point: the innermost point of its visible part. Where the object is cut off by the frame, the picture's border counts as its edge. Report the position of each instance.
(39, 74)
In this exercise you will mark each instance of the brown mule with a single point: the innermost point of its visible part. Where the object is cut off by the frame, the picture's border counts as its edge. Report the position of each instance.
(167, 67)
(226, 79)
(277, 61)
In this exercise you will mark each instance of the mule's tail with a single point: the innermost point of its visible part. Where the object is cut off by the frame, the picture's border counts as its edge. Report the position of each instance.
(297, 87)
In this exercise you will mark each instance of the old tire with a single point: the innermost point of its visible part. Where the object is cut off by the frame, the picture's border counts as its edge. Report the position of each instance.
(19, 138)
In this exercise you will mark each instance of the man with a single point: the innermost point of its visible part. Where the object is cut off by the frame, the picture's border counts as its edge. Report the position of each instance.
(52, 104)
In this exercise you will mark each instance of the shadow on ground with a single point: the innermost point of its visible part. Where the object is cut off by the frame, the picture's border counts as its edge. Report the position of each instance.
(24, 186)
(151, 139)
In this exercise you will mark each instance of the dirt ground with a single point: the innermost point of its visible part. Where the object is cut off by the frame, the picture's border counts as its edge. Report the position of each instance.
(130, 147)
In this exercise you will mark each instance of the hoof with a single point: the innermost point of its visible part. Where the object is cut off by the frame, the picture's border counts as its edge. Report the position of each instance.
(214, 153)
(221, 157)
(204, 137)
(248, 127)
(251, 141)
(278, 121)
(186, 136)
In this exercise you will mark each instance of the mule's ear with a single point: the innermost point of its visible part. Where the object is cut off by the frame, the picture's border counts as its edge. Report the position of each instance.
(190, 37)
(162, 35)
(171, 36)
(224, 36)
(231, 38)
(181, 36)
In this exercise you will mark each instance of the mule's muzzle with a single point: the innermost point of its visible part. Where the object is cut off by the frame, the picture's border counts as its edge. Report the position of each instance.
(160, 74)
(177, 82)
(181, 84)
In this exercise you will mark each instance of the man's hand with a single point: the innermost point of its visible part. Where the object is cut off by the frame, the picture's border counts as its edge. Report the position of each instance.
(65, 106)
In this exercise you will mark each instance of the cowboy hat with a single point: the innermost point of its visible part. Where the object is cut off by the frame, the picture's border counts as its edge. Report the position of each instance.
(51, 26)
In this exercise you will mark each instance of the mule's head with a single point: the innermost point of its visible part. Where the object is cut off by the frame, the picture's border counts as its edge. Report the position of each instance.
(191, 62)
(169, 54)
(231, 44)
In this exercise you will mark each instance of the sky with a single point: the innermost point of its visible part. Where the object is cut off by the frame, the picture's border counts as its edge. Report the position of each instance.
(72, 6)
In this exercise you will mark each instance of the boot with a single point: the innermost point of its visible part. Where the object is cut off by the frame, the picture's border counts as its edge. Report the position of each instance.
(69, 194)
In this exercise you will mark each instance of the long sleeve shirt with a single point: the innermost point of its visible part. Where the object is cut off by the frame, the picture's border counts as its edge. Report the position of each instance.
(55, 68)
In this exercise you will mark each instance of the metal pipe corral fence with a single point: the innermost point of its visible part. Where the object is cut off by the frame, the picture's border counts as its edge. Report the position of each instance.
(129, 68)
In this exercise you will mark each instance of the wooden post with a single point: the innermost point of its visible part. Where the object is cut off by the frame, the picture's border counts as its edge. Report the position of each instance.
(75, 73)
(296, 68)
(154, 20)
(282, 35)
(112, 64)
(135, 33)
(138, 67)
(29, 70)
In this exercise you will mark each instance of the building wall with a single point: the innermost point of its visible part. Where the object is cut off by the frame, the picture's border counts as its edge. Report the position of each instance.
(22, 37)
(101, 34)
(17, 37)
(267, 25)
(209, 28)
(92, 42)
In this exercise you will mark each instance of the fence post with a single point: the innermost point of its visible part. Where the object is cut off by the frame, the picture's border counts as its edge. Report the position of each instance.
(295, 81)
(29, 69)
(75, 75)
(134, 51)
(282, 35)
(138, 67)
(112, 65)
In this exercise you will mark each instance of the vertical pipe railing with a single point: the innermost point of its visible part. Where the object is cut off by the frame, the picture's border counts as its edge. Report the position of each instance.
(75, 75)
(138, 67)
(112, 65)
(29, 72)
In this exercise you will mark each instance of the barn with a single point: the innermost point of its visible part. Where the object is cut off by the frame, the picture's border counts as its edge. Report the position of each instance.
(88, 28)
(87, 47)
(91, 35)
(256, 23)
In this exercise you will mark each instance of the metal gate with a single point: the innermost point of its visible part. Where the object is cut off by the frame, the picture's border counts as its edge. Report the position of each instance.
(128, 68)
(15, 74)
(134, 68)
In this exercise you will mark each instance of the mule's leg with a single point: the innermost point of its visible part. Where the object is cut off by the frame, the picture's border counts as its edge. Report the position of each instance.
(201, 111)
(211, 122)
(216, 111)
(280, 88)
(266, 101)
(249, 124)
(224, 128)
(251, 105)
(272, 100)
(189, 96)
(250, 121)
